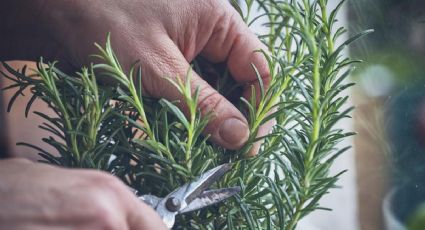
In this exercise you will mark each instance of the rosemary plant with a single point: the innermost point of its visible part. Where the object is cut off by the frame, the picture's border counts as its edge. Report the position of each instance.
(154, 148)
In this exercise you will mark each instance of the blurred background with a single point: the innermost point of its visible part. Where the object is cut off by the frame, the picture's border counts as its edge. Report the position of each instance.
(385, 184)
(390, 115)
(388, 161)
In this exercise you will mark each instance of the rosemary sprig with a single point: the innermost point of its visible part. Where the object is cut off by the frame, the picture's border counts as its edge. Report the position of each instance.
(154, 148)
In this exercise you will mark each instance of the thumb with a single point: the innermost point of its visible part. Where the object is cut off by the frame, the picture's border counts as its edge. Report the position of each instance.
(227, 126)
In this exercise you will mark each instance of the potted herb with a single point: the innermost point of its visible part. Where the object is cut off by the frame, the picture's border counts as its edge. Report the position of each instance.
(154, 148)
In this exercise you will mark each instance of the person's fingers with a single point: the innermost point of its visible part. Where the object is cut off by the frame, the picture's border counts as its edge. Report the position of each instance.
(117, 205)
(227, 126)
(233, 42)
(142, 216)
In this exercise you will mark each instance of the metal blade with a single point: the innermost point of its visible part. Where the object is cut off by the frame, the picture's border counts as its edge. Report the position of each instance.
(211, 197)
(194, 189)
(150, 200)
(184, 195)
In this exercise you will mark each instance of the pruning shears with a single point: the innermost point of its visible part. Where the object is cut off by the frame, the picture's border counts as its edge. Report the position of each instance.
(191, 196)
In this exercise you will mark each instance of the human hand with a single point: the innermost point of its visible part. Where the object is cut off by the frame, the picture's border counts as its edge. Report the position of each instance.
(38, 196)
(165, 35)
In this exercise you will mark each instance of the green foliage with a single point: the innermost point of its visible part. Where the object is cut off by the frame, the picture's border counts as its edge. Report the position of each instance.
(417, 220)
(154, 148)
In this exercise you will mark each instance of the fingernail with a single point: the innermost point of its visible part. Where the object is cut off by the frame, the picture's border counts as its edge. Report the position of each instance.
(234, 132)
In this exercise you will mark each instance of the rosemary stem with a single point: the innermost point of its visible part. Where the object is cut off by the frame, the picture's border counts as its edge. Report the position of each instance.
(189, 144)
(316, 107)
(294, 220)
(326, 27)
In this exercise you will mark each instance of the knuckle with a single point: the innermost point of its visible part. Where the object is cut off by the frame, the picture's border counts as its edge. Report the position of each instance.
(263, 68)
(104, 210)
(105, 182)
(265, 77)
(209, 101)
(220, 13)
(104, 218)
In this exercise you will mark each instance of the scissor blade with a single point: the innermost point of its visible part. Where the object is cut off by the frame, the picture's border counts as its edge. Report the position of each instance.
(150, 200)
(194, 189)
(211, 197)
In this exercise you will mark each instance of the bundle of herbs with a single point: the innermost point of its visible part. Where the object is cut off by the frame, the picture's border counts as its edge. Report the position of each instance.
(154, 148)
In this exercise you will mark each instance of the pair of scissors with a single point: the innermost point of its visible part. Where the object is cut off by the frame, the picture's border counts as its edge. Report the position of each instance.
(191, 196)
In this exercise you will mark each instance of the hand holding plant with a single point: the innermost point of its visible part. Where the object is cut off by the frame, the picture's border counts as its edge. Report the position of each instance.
(164, 36)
